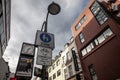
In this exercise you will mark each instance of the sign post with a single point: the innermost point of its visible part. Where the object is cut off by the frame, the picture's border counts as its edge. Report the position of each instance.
(46, 41)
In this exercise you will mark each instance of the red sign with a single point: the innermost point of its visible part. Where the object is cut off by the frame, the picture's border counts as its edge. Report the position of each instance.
(13, 79)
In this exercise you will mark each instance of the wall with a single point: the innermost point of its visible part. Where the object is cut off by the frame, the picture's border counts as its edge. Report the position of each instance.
(3, 69)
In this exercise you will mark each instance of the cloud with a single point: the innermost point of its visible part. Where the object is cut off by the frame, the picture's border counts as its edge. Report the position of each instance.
(27, 17)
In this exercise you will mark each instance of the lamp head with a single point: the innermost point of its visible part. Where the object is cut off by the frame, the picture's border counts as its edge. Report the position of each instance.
(53, 8)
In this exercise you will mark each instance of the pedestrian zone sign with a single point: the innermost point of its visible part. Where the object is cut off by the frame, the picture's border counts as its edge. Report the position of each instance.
(44, 39)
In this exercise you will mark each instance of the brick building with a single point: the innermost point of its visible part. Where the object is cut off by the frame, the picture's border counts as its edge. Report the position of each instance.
(97, 36)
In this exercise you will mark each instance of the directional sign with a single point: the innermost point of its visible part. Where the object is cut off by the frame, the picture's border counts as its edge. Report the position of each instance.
(44, 39)
(44, 56)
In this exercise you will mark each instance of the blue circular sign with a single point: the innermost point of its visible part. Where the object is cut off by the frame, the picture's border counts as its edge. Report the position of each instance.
(45, 37)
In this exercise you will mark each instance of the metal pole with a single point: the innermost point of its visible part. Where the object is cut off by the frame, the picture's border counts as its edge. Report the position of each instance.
(44, 73)
(43, 66)
(46, 22)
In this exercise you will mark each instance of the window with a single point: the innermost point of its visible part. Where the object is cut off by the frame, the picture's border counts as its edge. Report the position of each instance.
(0, 7)
(89, 47)
(59, 72)
(50, 78)
(54, 76)
(65, 73)
(84, 52)
(81, 38)
(2, 38)
(92, 72)
(68, 56)
(7, 19)
(63, 58)
(58, 62)
(3, 47)
(70, 70)
(53, 66)
(49, 70)
(96, 42)
(95, 8)
(1, 25)
(102, 37)
(80, 22)
(107, 33)
(99, 13)
(101, 17)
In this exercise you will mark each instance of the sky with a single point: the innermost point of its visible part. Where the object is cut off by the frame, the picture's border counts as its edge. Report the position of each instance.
(27, 16)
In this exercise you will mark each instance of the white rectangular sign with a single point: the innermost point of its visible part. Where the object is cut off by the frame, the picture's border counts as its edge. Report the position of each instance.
(43, 60)
(28, 49)
(45, 52)
(44, 39)
(44, 56)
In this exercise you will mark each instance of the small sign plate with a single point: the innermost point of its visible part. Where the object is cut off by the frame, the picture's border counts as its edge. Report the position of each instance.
(44, 56)
(44, 39)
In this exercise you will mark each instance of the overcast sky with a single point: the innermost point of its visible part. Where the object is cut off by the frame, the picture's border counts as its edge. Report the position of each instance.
(27, 16)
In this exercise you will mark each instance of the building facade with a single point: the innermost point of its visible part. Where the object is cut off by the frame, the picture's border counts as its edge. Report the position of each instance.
(97, 36)
(55, 70)
(4, 70)
(66, 65)
(70, 62)
(5, 12)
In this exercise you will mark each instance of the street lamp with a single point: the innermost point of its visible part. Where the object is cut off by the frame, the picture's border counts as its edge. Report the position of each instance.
(53, 9)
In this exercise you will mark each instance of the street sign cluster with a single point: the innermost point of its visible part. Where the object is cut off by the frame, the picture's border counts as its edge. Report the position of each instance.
(45, 43)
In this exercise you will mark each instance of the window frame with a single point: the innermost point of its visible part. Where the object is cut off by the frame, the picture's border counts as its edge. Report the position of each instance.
(49, 69)
(54, 75)
(92, 72)
(81, 37)
(57, 62)
(65, 73)
(59, 72)
(53, 66)
(96, 41)
(70, 69)
(100, 19)
(79, 24)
